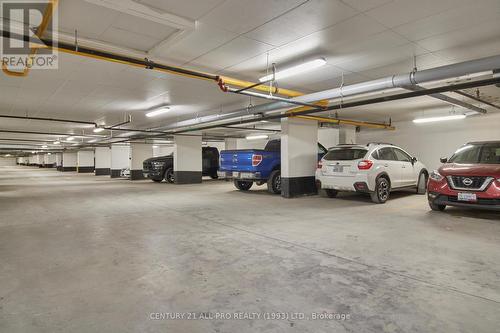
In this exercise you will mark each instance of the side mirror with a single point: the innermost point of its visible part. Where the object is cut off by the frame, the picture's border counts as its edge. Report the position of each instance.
(413, 160)
(443, 159)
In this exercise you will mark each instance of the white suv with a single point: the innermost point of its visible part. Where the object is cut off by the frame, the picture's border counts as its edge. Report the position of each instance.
(376, 168)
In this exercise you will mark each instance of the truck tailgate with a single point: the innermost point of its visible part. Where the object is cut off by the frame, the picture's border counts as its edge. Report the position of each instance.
(238, 160)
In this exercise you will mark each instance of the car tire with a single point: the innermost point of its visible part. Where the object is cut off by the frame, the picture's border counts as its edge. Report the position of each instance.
(422, 184)
(331, 193)
(169, 175)
(382, 191)
(438, 208)
(274, 182)
(242, 185)
(157, 180)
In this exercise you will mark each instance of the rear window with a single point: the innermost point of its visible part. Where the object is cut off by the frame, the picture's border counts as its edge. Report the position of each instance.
(345, 154)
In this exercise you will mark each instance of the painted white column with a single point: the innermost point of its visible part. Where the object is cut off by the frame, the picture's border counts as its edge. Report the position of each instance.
(138, 153)
(328, 136)
(299, 156)
(187, 159)
(347, 134)
(120, 159)
(49, 160)
(69, 161)
(231, 144)
(102, 161)
(85, 161)
(59, 161)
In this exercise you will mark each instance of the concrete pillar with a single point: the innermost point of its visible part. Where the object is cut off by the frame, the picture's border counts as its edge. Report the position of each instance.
(347, 134)
(162, 150)
(102, 161)
(231, 144)
(59, 161)
(49, 160)
(120, 159)
(138, 153)
(187, 159)
(85, 162)
(69, 161)
(299, 157)
(328, 136)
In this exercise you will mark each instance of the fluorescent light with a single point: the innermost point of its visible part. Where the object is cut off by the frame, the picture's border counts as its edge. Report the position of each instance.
(57, 142)
(154, 147)
(70, 138)
(157, 112)
(98, 129)
(304, 67)
(49, 154)
(444, 118)
(257, 137)
(45, 146)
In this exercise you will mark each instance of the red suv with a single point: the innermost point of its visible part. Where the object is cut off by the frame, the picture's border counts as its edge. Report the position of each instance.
(470, 178)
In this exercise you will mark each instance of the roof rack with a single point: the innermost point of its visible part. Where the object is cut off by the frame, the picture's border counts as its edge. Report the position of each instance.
(379, 143)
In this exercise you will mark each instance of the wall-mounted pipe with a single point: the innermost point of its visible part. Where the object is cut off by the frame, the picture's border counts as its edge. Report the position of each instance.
(340, 121)
(50, 133)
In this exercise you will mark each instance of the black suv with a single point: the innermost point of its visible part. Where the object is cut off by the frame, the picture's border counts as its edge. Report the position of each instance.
(162, 167)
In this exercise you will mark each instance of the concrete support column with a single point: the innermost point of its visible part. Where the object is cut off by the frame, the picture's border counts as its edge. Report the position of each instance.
(328, 136)
(85, 159)
(120, 159)
(69, 161)
(231, 144)
(59, 161)
(49, 160)
(187, 159)
(138, 153)
(299, 157)
(102, 161)
(347, 134)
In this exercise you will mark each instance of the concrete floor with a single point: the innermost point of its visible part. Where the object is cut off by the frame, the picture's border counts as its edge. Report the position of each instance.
(81, 253)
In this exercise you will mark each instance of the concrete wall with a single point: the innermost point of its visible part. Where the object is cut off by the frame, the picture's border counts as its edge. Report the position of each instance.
(120, 157)
(7, 161)
(162, 150)
(428, 142)
(103, 158)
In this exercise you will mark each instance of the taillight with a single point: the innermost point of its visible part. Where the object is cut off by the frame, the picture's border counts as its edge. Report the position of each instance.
(256, 159)
(320, 164)
(365, 164)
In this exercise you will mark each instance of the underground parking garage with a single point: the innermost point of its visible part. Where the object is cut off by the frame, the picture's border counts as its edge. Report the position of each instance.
(250, 166)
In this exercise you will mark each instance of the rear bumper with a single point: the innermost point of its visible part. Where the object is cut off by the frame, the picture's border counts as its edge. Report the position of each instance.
(240, 175)
(350, 183)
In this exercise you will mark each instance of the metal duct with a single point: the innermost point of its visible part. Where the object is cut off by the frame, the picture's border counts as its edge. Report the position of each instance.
(390, 82)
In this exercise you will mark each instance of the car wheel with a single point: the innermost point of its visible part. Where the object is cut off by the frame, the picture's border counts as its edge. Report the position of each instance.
(382, 190)
(422, 184)
(243, 185)
(169, 175)
(274, 182)
(157, 180)
(331, 193)
(435, 207)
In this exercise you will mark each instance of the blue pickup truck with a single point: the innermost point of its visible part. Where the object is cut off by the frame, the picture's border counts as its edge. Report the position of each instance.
(260, 166)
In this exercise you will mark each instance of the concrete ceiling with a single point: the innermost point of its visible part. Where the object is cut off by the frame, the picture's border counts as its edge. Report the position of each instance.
(361, 40)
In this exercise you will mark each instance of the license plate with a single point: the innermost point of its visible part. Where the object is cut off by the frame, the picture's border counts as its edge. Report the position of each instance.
(236, 174)
(467, 197)
(246, 175)
(338, 168)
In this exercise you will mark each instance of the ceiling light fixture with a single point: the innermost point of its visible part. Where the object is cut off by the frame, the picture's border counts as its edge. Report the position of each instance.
(98, 129)
(45, 146)
(304, 67)
(70, 138)
(57, 142)
(443, 118)
(158, 111)
(257, 137)
(154, 147)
